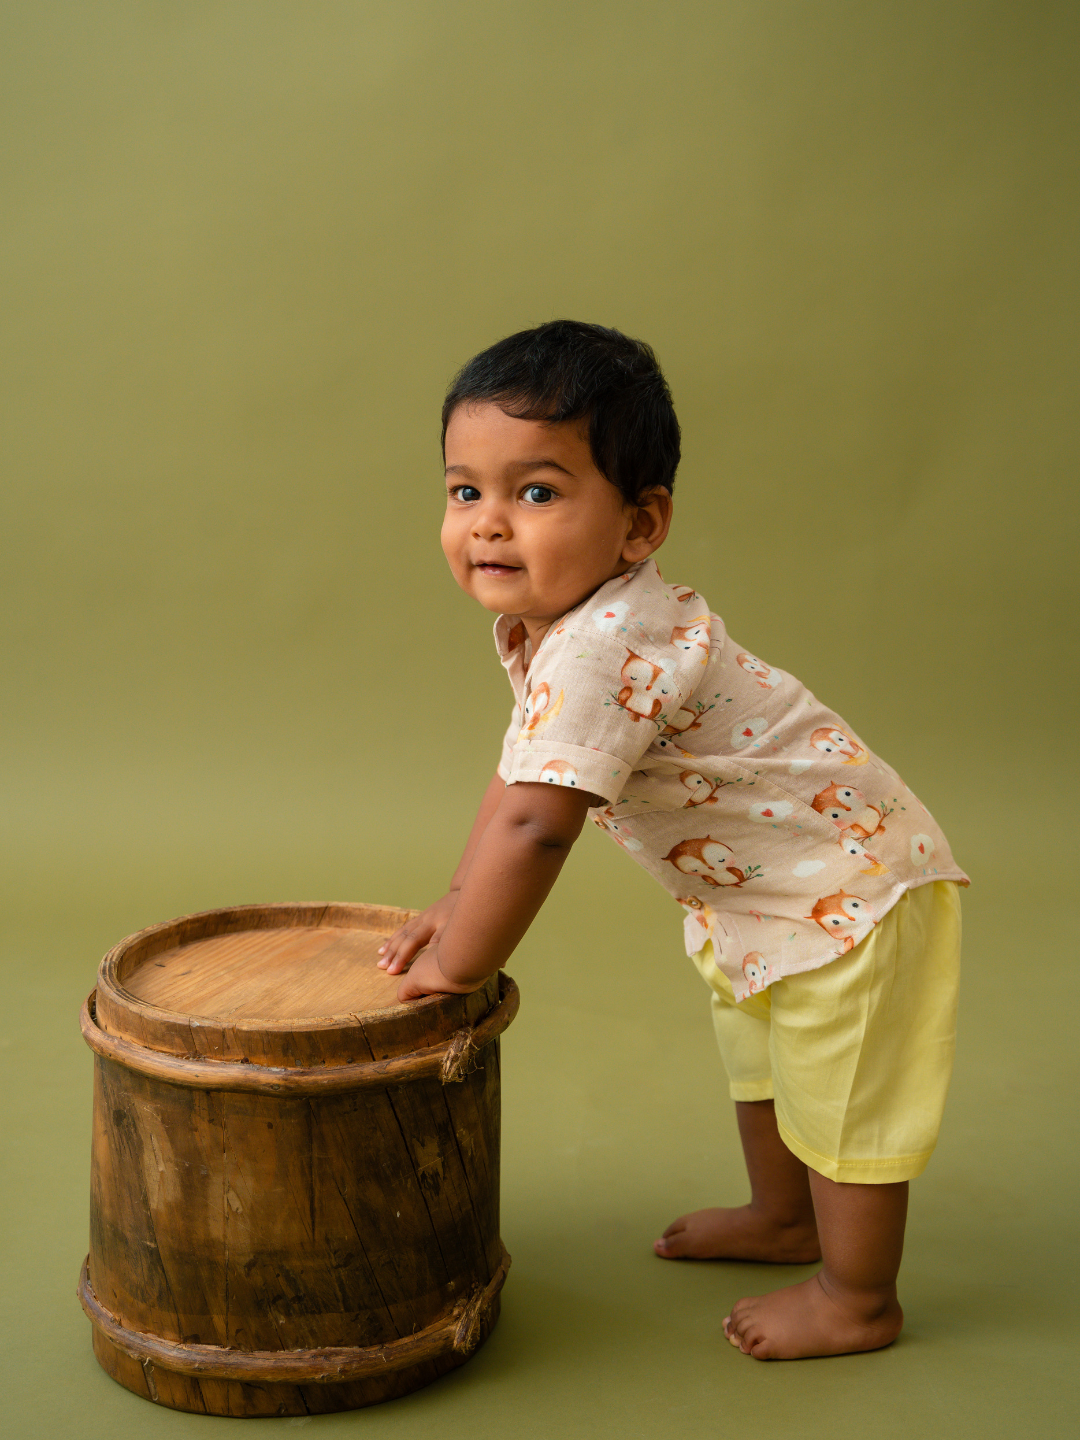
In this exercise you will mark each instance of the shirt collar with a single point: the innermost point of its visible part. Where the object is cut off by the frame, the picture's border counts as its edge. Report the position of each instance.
(511, 641)
(514, 646)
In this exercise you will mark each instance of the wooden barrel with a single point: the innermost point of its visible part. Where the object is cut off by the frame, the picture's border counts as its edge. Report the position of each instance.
(295, 1191)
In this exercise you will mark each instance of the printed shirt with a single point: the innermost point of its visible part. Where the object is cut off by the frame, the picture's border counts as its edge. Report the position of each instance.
(782, 836)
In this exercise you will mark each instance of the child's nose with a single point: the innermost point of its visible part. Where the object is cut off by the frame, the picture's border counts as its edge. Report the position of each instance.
(491, 522)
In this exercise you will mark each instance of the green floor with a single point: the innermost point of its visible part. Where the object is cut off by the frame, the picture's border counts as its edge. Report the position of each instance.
(615, 1121)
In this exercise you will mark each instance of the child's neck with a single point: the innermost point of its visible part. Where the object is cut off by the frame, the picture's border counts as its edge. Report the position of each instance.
(536, 627)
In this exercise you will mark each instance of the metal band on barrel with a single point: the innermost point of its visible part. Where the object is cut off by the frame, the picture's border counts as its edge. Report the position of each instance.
(450, 1061)
(459, 1330)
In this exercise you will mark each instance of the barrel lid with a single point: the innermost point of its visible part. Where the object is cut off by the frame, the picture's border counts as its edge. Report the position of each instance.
(293, 984)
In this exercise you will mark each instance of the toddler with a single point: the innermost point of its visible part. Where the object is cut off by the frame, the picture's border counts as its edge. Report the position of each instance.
(820, 898)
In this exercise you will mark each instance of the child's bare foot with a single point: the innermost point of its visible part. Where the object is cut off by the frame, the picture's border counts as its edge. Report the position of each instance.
(744, 1233)
(813, 1318)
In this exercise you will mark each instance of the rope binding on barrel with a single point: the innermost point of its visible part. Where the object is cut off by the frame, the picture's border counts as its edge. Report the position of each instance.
(449, 1062)
(457, 1062)
(458, 1331)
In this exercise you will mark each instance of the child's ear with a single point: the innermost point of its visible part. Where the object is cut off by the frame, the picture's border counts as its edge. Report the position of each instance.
(649, 525)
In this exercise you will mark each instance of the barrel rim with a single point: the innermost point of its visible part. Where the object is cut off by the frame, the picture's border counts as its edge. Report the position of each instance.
(203, 925)
(449, 1060)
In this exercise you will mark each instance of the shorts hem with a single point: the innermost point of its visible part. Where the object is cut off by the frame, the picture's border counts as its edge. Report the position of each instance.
(857, 1172)
(751, 1089)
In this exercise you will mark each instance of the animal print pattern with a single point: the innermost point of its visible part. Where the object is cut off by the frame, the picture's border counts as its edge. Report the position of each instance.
(719, 774)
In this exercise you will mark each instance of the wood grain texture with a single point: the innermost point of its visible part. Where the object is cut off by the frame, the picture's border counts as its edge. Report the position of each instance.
(257, 1222)
(268, 975)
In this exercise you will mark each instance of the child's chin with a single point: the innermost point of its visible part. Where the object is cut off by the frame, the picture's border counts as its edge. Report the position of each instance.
(494, 598)
(494, 592)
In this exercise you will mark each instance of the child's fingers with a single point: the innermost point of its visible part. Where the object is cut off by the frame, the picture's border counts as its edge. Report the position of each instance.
(402, 961)
(407, 952)
(401, 957)
(389, 946)
(409, 991)
(420, 926)
(410, 948)
(402, 946)
(411, 988)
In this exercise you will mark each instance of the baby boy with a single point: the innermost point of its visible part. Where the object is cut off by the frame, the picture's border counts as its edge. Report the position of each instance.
(820, 897)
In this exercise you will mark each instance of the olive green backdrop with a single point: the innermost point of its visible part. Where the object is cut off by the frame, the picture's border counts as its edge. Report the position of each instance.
(246, 243)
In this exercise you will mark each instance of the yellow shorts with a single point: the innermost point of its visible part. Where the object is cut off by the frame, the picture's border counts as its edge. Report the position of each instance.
(857, 1054)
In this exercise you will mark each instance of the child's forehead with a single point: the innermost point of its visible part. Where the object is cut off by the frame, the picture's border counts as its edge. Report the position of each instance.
(483, 435)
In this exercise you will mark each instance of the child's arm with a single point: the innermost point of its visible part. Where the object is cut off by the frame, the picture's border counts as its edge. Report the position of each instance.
(522, 835)
(430, 923)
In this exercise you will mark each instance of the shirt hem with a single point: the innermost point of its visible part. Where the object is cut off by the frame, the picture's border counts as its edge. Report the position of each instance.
(802, 967)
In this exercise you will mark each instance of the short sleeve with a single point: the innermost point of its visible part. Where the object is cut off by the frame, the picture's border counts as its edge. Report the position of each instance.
(594, 707)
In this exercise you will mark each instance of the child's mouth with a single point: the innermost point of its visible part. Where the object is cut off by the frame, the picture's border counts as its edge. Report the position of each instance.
(490, 568)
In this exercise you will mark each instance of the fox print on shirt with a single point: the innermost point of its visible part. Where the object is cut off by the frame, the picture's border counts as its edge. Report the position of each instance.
(722, 776)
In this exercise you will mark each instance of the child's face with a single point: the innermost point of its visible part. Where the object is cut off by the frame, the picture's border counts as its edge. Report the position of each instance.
(532, 528)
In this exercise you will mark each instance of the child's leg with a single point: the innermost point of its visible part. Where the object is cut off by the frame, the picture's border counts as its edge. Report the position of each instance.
(861, 1052)
(859, 1055)
(777, 1225)
(850, 1304)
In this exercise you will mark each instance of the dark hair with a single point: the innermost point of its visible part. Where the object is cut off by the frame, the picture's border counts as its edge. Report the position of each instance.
(566, 370)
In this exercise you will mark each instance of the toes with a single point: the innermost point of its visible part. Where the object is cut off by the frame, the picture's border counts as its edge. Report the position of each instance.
(737, 1328)
(670, 1245)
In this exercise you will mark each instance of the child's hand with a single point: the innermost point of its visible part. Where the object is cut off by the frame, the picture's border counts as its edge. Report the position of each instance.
(424, 977)
(403, 945)
(522, 835)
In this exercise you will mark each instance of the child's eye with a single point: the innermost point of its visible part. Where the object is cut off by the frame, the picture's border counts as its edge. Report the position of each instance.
(538, 494)
(468, 493)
